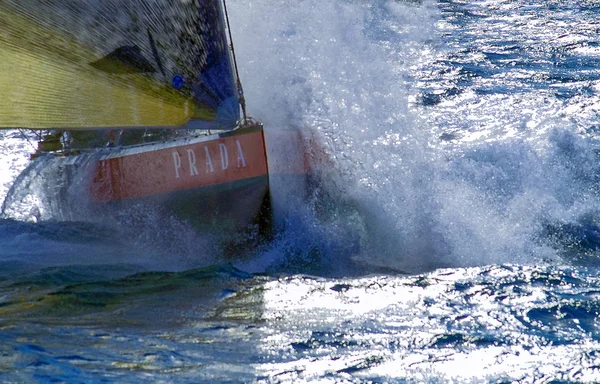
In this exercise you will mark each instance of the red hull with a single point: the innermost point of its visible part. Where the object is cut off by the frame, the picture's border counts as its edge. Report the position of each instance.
(217, 183)
(180, 165)
(224, 183)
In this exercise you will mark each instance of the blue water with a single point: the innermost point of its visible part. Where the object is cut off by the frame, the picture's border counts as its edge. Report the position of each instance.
(453, 237)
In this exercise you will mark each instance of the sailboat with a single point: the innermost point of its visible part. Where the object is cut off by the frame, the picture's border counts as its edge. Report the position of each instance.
(146, 94)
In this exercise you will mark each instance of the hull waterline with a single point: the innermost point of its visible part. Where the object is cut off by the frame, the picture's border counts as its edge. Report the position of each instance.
(217, 183)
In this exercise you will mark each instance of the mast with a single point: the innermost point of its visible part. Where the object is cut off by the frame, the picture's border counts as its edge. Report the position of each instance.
(240, 90)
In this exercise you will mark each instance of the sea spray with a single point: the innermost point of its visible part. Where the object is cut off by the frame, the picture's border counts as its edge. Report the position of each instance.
(52, 188)
(426, 159)
(51, 191)
(480, 190)
(346, 81)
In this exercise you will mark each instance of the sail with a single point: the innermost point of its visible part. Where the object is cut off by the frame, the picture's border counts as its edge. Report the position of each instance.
(114, 63)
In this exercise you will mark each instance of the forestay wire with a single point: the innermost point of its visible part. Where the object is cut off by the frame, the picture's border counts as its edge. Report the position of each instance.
(235, 66)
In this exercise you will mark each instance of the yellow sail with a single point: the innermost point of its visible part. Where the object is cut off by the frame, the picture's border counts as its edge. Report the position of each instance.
(88, 75)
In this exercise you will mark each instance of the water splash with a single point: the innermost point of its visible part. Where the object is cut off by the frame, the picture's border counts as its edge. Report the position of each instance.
(476, 177)
(49, 192)
(436, 152)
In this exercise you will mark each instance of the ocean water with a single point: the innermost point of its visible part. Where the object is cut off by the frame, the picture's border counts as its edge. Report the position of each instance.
(453, 237)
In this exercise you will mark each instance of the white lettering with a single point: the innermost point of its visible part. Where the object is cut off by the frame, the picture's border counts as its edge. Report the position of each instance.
(192, 161)
(209, 163)
(224, 156)
(241, 161)
(177, 163)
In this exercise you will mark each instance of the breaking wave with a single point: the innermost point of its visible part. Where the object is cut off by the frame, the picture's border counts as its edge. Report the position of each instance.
(433, 162)
(430, 161)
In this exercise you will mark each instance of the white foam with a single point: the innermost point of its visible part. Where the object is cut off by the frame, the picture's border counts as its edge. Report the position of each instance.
(346, 71)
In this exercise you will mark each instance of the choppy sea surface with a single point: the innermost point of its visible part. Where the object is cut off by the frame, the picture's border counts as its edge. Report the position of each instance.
(453, 238)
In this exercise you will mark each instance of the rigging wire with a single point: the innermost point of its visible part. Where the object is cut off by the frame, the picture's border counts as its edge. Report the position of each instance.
(27, 138)
(235, 66)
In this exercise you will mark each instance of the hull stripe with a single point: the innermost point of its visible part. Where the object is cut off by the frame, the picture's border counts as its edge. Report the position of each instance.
(222, 160)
